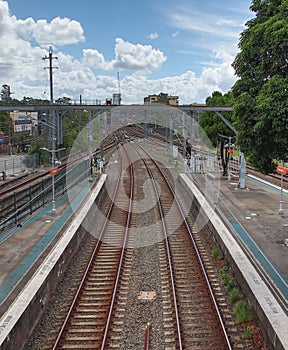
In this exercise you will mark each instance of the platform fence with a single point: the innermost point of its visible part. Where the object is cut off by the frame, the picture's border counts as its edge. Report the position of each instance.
(23, 203)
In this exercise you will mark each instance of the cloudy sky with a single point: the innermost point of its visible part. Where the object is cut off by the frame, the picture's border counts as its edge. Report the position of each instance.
(182, 47)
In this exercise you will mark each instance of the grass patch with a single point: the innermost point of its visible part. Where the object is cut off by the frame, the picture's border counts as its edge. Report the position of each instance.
(248, 333)
(216, 254)
(235, 294)
(226, 279)
(224, 271)
(242, 312)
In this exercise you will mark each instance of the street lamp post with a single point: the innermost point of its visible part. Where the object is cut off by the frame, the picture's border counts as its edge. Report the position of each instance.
(281, 210)
(229, 149)
(52, 172)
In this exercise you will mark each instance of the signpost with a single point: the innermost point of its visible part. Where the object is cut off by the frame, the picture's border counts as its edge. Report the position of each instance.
(54, 171)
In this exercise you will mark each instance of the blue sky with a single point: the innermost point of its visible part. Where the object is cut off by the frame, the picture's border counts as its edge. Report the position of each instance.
(182, 48)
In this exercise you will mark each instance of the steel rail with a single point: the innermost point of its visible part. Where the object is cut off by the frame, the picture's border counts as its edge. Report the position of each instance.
(177, 319)
(201, 263)
(229, 346)
(86, 272)
(123, 251)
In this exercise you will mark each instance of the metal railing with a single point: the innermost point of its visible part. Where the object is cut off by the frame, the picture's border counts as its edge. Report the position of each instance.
(16, 207)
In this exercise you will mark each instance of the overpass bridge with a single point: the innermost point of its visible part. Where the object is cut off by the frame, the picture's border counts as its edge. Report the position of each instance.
(101, 108)
(183, 119)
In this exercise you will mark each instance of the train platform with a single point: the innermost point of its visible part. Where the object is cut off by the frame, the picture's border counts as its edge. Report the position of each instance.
(259, 215)
(24, 247)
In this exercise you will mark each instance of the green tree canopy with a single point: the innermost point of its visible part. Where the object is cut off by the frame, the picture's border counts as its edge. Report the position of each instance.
(211, 123)
(261, 93)
(63, 101)
(163, 98)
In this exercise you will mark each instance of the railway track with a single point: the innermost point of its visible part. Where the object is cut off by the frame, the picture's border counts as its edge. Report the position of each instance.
(143, 287)
(28, 178)
(21, 181)
(187, 278)
(89, 317)
(168, 304)
(21, 198)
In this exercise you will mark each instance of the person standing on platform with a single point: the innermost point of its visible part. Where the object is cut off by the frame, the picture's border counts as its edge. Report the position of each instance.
(188, 152)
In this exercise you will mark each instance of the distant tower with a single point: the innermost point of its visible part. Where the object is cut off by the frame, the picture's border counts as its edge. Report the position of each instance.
(117, 97)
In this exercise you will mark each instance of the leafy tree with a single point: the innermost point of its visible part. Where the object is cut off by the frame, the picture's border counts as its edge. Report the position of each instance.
(210, 121)
(24, 102)
(6, 93)
(163, 98)
(261, 104)
(33, 101)
(63, 101)
(4, 122)
(214, 126)
(72, 125)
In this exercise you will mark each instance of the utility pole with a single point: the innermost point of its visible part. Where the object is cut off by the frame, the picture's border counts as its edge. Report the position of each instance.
(50, 58)
(53, 127)
(53, 119)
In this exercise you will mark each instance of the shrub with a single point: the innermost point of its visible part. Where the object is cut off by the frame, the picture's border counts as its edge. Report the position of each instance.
(225, 276)
(224, 271)
(216, 254)
(230, 284)
(248, 333)
(235, 294)
(242, 312)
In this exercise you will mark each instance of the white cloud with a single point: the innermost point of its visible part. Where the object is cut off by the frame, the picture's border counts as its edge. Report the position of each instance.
(22, 65)
(128, 57)
(60, 31)
(93, 58)
(137, 57)
(228, 22)
(24, 28)
(4, 15)
(153, 36)
(189, 87)
(210, 23)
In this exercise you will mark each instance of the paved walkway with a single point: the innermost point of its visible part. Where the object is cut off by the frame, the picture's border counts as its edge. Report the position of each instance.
(254, 214)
